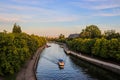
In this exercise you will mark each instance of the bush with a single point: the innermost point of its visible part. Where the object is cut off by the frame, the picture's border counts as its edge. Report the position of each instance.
(99, 47)
(15, 49)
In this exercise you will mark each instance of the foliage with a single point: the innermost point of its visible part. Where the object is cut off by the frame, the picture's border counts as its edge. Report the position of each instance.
(61, 36)
(101, 48)
(16, 29)
(94, 43)
(15, 49)
(91, 31)
(107, 49)
(81, 45)
(109, 34)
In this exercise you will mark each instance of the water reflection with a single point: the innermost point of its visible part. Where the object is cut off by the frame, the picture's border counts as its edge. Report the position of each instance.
(74, 69)
(94, 71)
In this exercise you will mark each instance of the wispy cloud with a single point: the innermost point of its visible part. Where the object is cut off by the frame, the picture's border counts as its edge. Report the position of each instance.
(34, 2)
(97, 4)
(108, 14)
(27, 2)
(60, 18)
(12, 18)
(113, 12)
(36, 14)
(55, 15)
(24, 9)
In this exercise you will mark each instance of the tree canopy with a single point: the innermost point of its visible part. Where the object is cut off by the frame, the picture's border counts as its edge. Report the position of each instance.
(91, 31)
(15, 49)
(61, 36)
(16, 29)
(91, 42)
(109, 34)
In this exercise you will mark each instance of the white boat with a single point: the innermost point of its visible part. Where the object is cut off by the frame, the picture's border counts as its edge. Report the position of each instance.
(61, 63)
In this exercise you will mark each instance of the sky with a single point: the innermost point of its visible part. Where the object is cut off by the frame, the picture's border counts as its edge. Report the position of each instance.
(55, 17)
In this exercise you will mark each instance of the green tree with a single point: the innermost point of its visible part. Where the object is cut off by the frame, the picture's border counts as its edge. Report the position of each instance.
(16, 29)
(91, 31)
(109, 34)
(114, 49)
(61, 36)
(15, 49)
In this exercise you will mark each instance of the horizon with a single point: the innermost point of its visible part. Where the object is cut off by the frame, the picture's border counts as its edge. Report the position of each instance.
(55, 17)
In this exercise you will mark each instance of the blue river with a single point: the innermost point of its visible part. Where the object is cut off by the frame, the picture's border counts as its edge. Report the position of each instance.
(74, 69)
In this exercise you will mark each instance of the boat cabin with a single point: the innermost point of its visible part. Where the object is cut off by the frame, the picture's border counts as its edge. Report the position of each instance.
(61, 62)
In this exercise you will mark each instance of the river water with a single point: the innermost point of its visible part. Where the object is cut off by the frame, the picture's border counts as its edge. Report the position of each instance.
(74, 69)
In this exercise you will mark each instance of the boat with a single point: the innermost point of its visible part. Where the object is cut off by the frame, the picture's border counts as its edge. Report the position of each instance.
(61, 63)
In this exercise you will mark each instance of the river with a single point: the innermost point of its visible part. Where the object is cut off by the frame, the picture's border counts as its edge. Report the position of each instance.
(74, 69)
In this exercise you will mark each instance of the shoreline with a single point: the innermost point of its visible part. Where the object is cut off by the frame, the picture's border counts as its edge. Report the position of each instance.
(28, 71)
(103, 64)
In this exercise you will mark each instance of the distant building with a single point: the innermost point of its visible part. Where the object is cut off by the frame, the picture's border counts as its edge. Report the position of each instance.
(73, 35)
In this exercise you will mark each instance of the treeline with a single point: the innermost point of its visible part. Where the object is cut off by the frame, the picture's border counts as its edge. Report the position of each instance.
(91, 41)
(107, 49)
(16, 48)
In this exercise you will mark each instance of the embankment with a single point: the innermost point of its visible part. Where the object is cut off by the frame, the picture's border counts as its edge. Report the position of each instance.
(106, 65)
(28, 72)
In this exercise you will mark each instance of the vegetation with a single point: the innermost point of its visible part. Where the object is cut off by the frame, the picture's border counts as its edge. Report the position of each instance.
(91, 31)
(16, 48)
(107, 49)
(16, 29)
(61, 36)
(109, 34)
(92, 42)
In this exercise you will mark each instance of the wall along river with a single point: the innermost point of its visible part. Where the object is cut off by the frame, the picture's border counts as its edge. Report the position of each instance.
(74, 69)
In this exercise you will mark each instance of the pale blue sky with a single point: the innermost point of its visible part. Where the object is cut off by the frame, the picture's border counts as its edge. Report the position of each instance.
(53, 17)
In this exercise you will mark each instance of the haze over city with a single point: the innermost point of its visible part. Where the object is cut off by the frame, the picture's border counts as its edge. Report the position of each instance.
(54, 17)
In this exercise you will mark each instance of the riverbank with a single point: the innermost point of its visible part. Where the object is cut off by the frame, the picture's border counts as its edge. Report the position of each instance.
(28, 72)
(106, 65)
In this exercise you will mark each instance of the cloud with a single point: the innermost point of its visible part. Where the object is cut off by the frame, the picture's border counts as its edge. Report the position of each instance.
(6, 17)
(104, 6)
(25, 8)
(60, 18)
(97, 4)
(34, 2)
(34, 14)
(26, 1)
(109, 14)
(113, 12)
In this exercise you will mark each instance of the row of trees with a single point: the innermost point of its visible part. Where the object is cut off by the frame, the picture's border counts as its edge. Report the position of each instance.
(93, 31)
(92, 42)
(107, 49)
(16, 48)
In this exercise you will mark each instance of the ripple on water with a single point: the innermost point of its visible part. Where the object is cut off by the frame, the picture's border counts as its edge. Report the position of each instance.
(48, 68)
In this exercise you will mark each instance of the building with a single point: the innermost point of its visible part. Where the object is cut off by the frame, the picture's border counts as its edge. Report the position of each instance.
(73, 35)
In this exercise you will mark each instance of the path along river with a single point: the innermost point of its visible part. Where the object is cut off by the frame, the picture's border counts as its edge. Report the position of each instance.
(74, 69)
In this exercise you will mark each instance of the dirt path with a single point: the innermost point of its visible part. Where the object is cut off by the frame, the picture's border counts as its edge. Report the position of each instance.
(29, 69)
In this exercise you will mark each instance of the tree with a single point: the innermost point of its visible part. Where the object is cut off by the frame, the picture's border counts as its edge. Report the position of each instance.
(61, 36)
(16, 29)
(109, 34)
(15, 49)
(91, 31)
